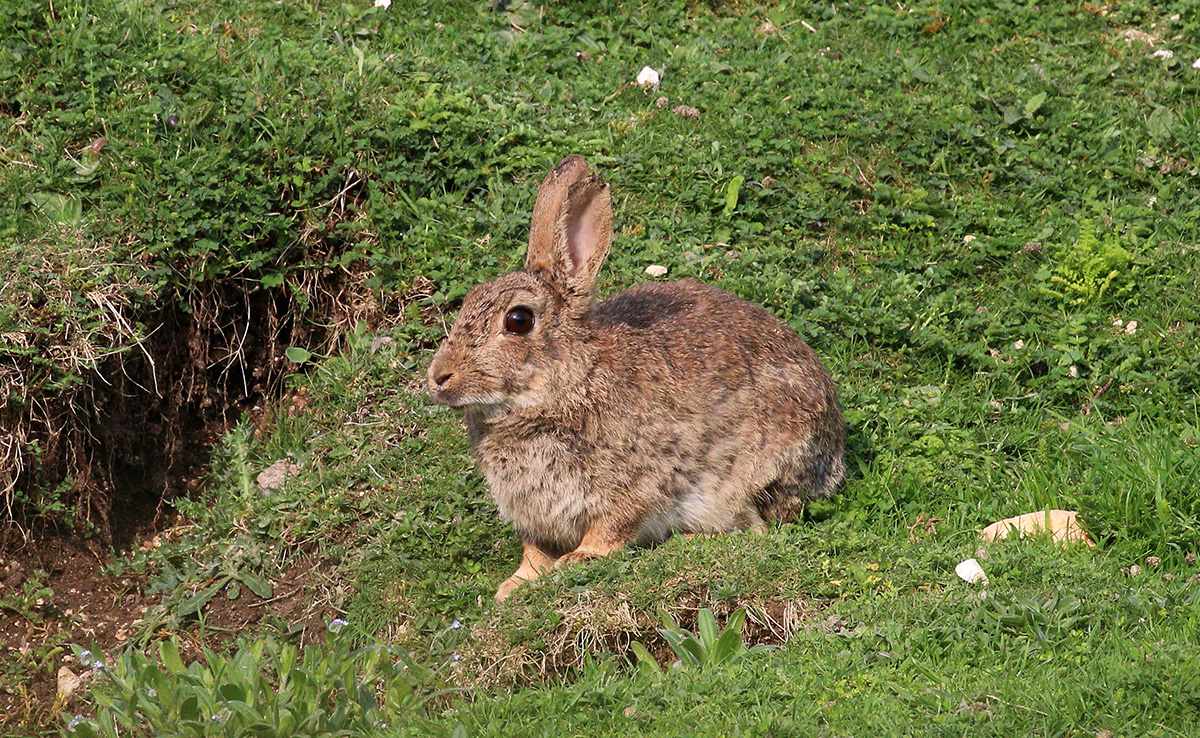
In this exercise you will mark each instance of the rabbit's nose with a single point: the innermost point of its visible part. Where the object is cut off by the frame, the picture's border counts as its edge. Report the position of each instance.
(441, 379)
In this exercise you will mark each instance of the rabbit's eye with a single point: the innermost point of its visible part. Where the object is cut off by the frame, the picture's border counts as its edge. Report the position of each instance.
(519, 321)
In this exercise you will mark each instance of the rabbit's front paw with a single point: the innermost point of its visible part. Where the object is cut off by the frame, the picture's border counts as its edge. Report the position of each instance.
(587, 550)
(507, 586)
(576, 557)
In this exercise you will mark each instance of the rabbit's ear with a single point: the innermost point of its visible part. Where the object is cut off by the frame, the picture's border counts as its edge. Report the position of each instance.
(584, 235)
(542, 256)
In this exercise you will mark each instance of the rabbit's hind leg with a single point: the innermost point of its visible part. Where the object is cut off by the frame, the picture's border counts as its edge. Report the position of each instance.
(599, 541)
(534, 561)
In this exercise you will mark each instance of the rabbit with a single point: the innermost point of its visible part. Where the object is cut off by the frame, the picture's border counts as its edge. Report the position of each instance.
(670, 407)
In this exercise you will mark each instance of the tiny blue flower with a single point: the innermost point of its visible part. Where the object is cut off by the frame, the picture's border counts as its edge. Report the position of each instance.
(456, 625)
(74, 722)
(455, 657)
(85, 656)
(336, 625)
(152, 692)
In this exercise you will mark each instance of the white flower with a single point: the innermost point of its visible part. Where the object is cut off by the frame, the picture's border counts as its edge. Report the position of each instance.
(648, 77)
(1073, 371)
(383, 3)
(1131, 327)
(1018, 345)
(1161, 53)
(1196, 64)
(968, 239)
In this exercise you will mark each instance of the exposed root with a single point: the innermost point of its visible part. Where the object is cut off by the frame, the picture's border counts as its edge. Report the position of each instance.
(117, 404)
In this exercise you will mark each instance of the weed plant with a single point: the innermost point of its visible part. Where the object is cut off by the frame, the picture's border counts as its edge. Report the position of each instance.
(263, 687)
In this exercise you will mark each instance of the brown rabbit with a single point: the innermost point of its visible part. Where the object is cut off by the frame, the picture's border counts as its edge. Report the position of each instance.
(673, 406)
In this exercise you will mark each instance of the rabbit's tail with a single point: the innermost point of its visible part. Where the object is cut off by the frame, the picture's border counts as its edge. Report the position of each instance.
(813, 470)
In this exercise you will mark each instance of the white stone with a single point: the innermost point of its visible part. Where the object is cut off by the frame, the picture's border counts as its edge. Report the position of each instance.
(971, 572)
(648, 77)
(656, 270)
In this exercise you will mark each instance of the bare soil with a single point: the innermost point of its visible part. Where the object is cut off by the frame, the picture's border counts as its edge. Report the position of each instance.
(90, 605)
(87, 606)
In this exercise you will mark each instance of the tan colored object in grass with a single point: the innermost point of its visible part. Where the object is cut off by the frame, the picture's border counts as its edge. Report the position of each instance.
(68, 683)
(275, 476)
(1062, 524)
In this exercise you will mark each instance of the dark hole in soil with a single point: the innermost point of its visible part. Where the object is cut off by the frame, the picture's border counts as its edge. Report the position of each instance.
(140, 434)
(118, 452)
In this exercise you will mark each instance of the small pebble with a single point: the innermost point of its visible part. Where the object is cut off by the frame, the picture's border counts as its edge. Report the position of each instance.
(971, 572)
(648, 77)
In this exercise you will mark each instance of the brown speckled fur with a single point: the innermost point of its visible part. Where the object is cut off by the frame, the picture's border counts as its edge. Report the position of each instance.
(673, 406)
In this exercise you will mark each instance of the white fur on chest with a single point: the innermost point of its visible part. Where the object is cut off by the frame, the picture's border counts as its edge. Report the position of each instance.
(552, 494)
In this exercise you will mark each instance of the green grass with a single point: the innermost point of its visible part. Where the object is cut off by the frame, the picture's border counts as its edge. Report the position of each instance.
(963, 207)
(1060, 646)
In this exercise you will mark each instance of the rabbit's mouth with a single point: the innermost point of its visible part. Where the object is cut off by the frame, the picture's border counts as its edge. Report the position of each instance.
(456, 399)
(489, 405)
